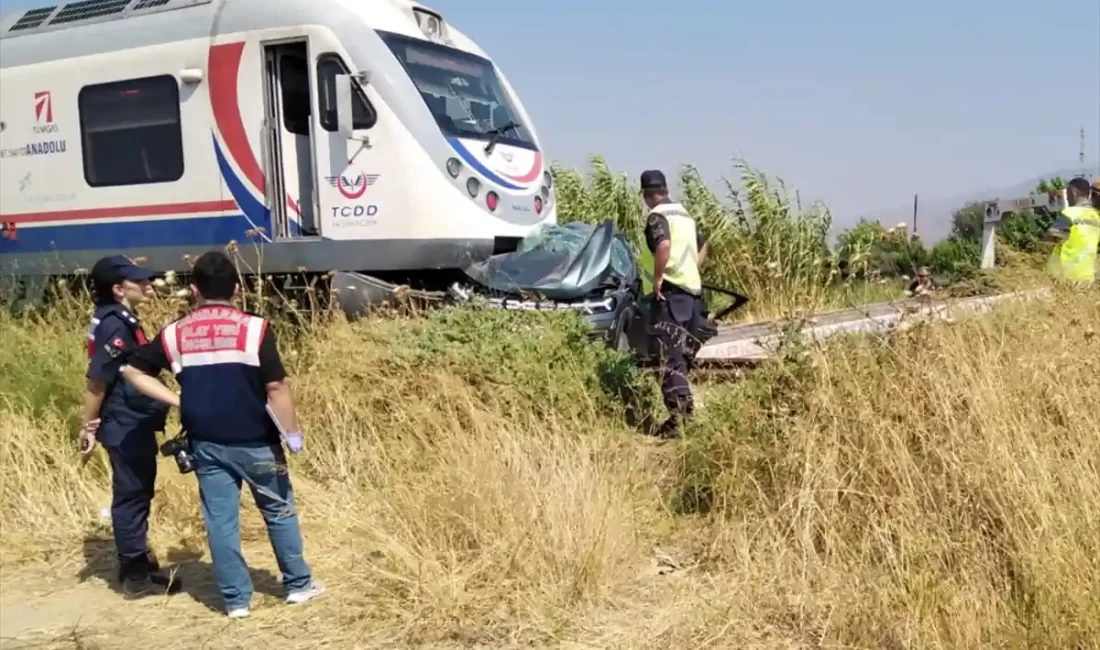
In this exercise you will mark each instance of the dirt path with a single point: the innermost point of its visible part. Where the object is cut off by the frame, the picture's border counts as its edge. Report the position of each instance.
(77, 613)
(24, 615)
(60, 608)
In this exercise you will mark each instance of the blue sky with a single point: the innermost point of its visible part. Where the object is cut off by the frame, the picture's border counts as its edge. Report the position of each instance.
(860, 103)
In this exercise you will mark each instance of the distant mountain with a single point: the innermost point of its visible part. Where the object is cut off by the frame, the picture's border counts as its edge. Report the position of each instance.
(934, 217)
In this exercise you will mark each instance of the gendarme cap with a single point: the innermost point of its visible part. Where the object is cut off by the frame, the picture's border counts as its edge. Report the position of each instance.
(114, 269)
(653, 179)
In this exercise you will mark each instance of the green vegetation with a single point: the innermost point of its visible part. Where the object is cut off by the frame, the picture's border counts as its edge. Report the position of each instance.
(759, 242)
(878, 251)
(770, 248)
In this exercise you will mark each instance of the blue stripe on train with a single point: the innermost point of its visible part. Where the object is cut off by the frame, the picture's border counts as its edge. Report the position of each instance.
(125, 235)
(465, 154)
(253, 208)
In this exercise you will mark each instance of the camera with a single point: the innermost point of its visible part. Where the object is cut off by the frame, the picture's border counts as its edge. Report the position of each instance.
(179, 448)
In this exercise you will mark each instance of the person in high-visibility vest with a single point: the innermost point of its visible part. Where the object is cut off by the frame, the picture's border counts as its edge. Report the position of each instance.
(1077, 233)
(674, 251)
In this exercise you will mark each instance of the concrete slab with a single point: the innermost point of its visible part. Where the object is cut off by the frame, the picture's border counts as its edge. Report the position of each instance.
(755, 341)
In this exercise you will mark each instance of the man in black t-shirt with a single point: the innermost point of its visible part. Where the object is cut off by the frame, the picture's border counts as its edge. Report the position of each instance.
(227, 364)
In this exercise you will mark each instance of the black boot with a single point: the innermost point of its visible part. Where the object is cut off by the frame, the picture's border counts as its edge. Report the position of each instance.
(143, 577)
(679, 412)
(670, 430)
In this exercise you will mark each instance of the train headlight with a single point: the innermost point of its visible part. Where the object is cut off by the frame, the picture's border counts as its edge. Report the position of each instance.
(473, 186)
(548, 179)
(431, 25)
(491, 201)
(454, 168)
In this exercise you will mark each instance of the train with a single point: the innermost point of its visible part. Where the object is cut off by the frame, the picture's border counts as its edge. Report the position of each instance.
(366, 141)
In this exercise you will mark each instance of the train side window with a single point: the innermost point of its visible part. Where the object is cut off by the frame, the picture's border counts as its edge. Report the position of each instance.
(363, 114)
(130, 132)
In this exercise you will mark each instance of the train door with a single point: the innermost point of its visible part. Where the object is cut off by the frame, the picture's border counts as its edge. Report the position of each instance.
(289, 139)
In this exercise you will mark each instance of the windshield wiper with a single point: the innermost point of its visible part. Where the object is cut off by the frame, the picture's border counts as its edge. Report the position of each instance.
(497, 133)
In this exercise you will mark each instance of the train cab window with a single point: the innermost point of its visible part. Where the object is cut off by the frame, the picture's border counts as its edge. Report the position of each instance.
(363, 114)
(130, 132)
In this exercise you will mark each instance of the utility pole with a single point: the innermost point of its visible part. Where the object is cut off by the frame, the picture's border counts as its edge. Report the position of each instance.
(915, 231)
(1081, 155)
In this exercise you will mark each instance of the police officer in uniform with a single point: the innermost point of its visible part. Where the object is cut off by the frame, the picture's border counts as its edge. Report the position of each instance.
(670, 270)
(124, 421)
(1077, 233)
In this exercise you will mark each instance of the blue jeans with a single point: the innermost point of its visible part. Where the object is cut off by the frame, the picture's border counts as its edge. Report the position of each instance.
(220, 470)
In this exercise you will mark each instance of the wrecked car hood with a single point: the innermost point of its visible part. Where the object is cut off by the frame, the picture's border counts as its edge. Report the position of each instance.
(560, 262)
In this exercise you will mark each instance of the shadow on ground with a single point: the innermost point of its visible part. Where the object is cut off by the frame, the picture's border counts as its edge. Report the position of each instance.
(185, 563)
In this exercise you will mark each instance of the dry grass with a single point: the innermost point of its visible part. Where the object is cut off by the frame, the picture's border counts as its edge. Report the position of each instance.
(469, 483)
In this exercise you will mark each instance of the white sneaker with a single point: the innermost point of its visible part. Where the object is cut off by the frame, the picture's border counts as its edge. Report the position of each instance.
(314, 590)
(240, 612)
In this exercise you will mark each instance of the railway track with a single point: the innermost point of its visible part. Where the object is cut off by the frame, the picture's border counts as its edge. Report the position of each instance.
(739, 348)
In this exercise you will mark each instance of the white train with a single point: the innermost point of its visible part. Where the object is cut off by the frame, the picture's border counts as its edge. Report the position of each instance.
(364, 136)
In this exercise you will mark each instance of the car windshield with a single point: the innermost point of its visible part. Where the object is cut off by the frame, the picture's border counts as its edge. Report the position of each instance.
(462, 91)
(560, 262)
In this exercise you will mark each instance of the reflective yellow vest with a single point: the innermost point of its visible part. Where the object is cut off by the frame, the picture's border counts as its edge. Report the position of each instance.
(683, 258)
(1075, 258)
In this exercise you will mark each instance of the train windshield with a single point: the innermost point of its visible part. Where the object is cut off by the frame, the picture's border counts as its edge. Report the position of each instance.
(462, 91)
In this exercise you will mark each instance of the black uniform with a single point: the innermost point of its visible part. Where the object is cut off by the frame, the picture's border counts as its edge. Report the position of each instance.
(128, 425)
(674, 319)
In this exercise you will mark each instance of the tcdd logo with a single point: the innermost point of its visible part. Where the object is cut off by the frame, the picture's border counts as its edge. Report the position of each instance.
(43, 112)
(355, 211)
(352, 187)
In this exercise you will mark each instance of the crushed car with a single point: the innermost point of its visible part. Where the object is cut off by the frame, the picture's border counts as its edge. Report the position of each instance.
(588, 269)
